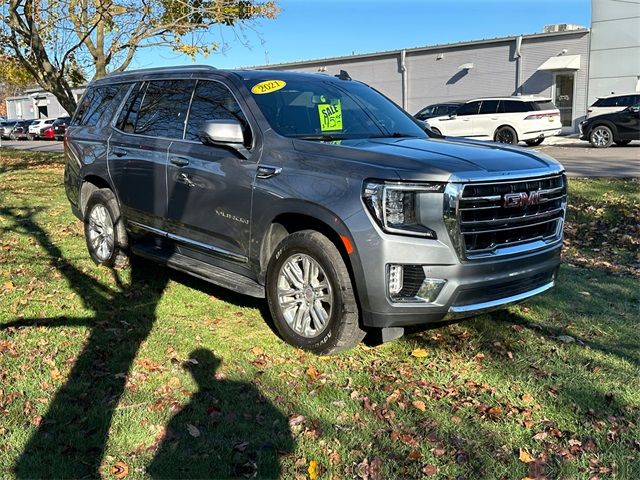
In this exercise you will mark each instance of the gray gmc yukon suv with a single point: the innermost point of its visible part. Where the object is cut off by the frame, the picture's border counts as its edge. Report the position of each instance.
(315, 192)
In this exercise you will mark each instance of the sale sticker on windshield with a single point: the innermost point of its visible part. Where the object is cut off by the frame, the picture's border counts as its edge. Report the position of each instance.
(330, 116)
(268, 86)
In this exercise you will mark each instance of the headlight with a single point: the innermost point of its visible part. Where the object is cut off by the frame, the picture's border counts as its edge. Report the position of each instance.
(395, 207)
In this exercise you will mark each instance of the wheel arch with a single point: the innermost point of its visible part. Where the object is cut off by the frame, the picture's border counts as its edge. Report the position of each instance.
(605, 123)
(312, 217)
(90, 184)
(495, 132)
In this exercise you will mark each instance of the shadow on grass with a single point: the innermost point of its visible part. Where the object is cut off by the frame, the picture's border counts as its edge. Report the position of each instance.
(71, 438)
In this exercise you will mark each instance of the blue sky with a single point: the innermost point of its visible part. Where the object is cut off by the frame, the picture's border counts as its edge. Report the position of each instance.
(308, 29)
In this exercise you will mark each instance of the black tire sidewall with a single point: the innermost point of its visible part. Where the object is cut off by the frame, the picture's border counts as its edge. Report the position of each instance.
(534, 143)
(307, 243)
(105, 198)
(515, 135)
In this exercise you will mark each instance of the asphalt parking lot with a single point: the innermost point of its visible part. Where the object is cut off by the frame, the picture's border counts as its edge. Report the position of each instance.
(579, 158)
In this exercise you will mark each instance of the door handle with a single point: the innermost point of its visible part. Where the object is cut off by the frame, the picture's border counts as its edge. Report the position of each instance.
(266, 171)
(179, 161)
(118, 152)
(184, 178)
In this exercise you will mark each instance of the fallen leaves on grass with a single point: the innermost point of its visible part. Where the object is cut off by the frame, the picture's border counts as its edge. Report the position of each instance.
(419, 353)
(120, 470)
(525, 457)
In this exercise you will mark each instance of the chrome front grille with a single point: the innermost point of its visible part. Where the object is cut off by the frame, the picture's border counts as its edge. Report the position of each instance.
(488, 219)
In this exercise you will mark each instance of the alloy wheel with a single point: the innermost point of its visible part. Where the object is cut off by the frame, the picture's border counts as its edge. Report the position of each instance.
(100, 231)
(304, 295)
(601, 137)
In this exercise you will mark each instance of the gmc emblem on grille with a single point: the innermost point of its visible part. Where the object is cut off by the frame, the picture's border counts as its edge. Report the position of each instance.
(523, 199)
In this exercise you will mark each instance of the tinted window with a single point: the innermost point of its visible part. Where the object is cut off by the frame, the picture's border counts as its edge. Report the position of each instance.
(321, 107)
(543, 106)
(471, 108)
(628, 100)
(164, 108)
(514, 106)
(489, 106)
(606, 102)
(92, 108)
(445, 109)
(427, 111)
(129, 112)
(212, 101)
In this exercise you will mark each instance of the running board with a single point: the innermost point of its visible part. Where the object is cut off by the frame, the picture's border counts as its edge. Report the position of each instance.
(216, 275)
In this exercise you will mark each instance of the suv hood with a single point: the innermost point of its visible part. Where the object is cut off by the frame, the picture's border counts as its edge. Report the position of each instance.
(436, 159)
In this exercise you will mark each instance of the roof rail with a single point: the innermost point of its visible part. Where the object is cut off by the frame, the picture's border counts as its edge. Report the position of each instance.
(188, 68)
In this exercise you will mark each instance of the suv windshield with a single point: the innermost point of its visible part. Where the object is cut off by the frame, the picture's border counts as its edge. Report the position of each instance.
(325, 110)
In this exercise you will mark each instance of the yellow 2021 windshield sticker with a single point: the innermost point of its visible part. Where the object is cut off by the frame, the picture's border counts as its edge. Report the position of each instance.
(330, 116)
(268, 86)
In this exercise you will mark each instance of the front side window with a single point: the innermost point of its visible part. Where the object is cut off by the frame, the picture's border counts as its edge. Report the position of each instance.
(163, 110)
(470, 108)
(320, 108)
(213, 101)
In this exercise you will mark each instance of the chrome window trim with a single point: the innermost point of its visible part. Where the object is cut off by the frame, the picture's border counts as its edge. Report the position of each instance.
(184, 130)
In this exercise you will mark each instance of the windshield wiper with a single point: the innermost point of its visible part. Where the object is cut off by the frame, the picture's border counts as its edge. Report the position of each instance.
(394, 135)
(327, 138)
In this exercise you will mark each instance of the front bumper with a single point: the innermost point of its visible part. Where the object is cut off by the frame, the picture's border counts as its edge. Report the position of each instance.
(472, 287)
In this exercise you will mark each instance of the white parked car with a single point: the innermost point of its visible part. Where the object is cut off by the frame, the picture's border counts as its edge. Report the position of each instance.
(613, 103)
(38, 125)
(526, 119)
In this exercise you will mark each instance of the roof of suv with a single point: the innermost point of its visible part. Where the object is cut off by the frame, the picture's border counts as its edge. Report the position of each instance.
(613, 95)
(134, 75)
(520, 98)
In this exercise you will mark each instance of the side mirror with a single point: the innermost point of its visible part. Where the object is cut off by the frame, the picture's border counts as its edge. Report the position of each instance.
(221, 132)
(634, 109)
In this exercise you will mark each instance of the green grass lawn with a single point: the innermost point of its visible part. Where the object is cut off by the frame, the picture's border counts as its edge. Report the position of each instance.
(150, 373)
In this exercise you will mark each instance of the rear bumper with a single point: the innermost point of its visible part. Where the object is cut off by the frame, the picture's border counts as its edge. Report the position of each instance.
(543, 133)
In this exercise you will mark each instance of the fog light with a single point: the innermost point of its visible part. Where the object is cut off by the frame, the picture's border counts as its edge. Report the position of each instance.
(430, 289)
(395, 279)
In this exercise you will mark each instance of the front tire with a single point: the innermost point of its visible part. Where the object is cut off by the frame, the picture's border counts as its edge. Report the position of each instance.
(104, 230)
(534, 142)
(601, 137)
(506, 135)
(310, 295)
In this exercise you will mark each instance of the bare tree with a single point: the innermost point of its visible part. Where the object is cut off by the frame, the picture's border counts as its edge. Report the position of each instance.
(62, 42)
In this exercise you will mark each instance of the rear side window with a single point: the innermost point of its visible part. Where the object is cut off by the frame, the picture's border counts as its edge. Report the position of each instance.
(163, 110)
(628, 100)
(513, 106)
(212, 101)
(489, 106)
(543, 106)
(606, 102)
(95, 103)
(470, 108)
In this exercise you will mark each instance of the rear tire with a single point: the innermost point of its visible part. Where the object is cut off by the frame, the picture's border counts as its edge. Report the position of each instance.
(436, 131)
(535, 142)
(622, 143)
(601, 136)
(506, 135)
(310, 295)
(104, 230)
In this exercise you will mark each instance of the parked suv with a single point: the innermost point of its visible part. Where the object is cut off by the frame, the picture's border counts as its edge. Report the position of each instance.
(437, 110)
(39, 126)
(619, 127)
(506, 120)
(613, 103)
(315, 192)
